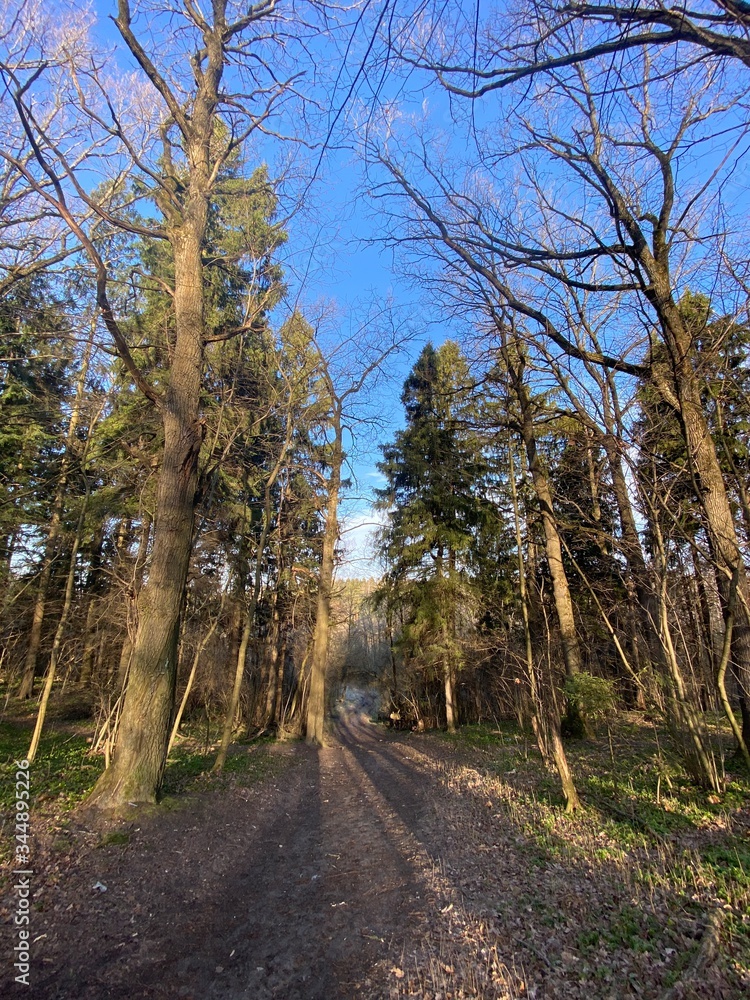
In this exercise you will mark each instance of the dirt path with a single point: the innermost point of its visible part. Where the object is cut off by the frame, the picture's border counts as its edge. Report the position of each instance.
(383, 867)
(312, 885)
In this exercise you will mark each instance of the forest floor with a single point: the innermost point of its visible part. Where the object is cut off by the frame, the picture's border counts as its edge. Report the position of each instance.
(394, 865)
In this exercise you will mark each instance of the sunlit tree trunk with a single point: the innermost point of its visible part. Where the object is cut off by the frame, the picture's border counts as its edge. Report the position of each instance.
(710, 488)
(553, 548)
(544, 722)
(139, 569)
(136, 771)
(316, 700)
(687, 725)
(57, 640)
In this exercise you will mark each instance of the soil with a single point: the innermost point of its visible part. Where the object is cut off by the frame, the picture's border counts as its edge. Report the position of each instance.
(384, 865)
(310, 885)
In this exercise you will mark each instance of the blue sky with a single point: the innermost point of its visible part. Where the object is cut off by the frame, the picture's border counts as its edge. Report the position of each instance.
(332, 257)
(332, 254)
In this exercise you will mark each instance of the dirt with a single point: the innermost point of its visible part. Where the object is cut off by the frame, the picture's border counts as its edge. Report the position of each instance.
(310, 885)
(385, 865)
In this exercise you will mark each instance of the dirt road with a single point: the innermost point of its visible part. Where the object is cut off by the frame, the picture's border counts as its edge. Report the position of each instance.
(383, 867)
(313, 885)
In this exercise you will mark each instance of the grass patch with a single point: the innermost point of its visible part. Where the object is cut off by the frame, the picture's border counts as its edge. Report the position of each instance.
(642, 811)
(116, 838)
(189, 765)
(63, 769)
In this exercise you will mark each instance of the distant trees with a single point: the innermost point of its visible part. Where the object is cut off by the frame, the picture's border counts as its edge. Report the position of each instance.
(434, 475)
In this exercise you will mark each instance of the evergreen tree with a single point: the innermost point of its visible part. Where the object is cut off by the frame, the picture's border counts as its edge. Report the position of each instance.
(434, 469)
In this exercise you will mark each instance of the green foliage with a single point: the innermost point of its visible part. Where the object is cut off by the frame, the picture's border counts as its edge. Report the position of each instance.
(36, 365)
(595, 697)
(189, 766)
(442, 533)
(63, 771)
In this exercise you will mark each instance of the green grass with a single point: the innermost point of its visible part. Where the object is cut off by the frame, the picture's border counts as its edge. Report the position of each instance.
(189, 765)
(117, 838)
(62, 770)
(669, 852)
(641, 801)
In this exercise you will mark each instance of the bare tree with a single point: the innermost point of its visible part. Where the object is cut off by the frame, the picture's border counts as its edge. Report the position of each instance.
(162, 138)
(519, 41)
(578, 191)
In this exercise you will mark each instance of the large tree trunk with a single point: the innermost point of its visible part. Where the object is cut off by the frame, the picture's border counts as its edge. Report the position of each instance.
(139, 569)
(710, 490)
(316, 700)
(724, 545)
(135, 774)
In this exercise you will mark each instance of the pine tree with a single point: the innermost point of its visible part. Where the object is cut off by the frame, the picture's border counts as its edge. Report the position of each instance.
(434, 468)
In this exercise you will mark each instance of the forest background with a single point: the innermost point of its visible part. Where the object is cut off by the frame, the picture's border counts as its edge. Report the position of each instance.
(232, 238)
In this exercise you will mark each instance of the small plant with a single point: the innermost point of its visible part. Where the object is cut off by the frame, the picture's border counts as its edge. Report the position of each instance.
(594, 698)
(117, 838)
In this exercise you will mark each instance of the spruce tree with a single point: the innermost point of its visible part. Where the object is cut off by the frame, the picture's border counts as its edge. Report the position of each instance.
(433, 468)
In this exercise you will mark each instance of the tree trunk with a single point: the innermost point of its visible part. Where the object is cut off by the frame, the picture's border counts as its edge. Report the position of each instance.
(135, 774)
(57, 641)
(272, 655)
(278, 710)
(193, 671)
(574, 723)
(544, 722)
(706, 630)
(722, 536)
(234, 699)
(450, 698)
(40, 607)
(316, 701)
(139, 569)
(553, 547)
(90, 632)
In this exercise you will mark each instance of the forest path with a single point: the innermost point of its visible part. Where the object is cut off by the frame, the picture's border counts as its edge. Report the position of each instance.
(312, 885)
(385, 866)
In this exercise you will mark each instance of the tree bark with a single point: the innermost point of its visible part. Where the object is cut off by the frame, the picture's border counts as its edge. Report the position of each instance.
(316, 700)
(57, 641)
(137, 768)
(545, 724)
(711, 492)
(553, 548)
(93, 587)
